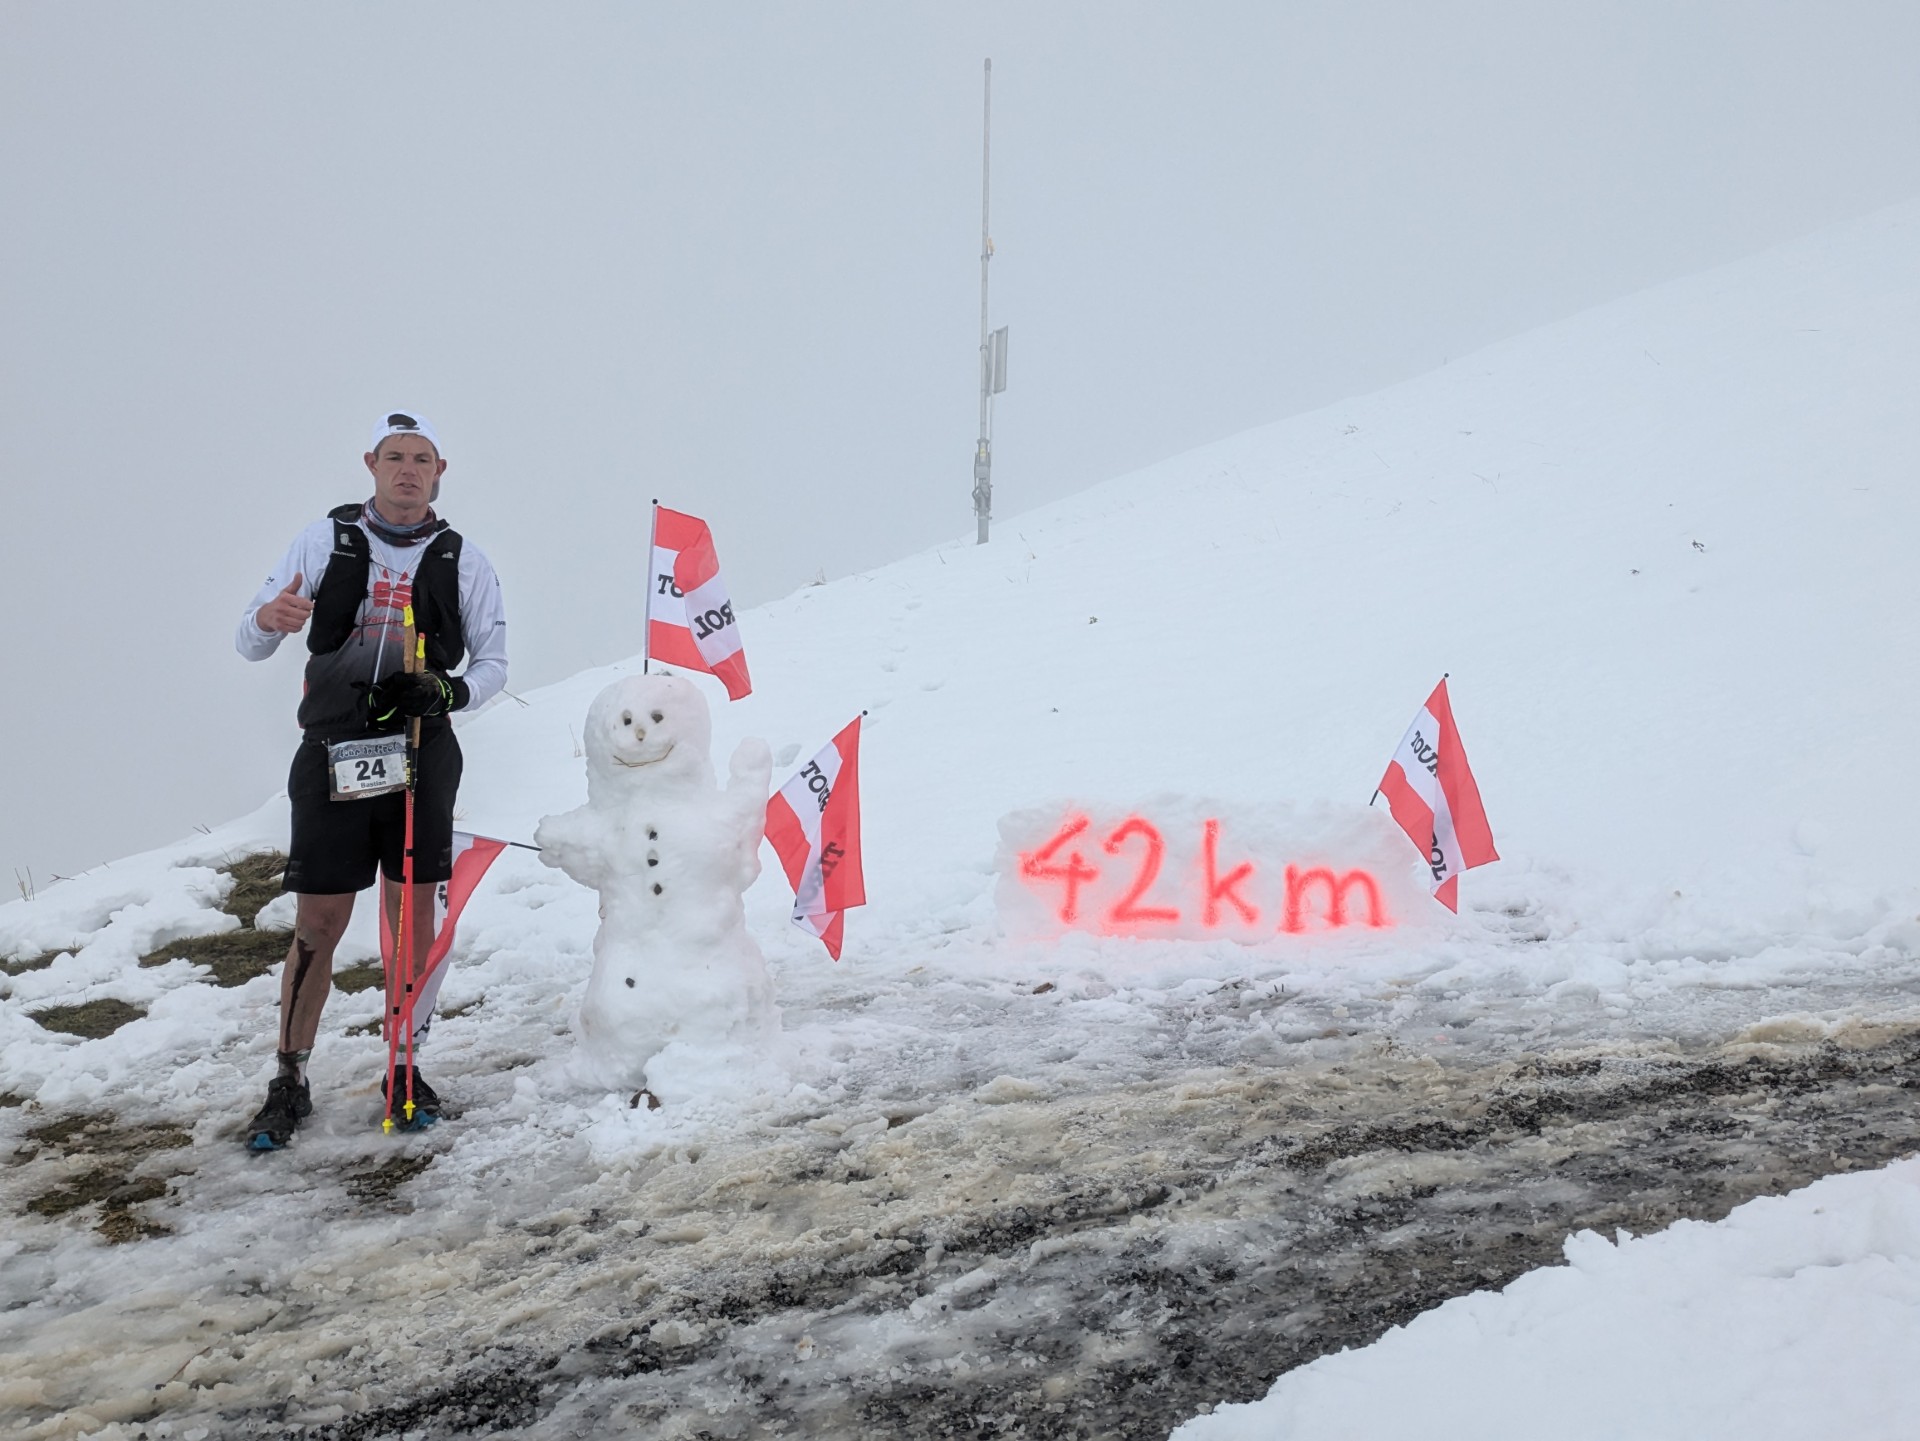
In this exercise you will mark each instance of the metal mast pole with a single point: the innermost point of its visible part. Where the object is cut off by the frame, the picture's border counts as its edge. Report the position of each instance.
(983, 455)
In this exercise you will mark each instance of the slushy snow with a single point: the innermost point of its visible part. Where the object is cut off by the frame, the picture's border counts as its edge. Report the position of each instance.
(1797, 1316)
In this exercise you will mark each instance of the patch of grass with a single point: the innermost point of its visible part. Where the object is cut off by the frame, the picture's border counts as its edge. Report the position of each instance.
(365, 1028)
(30, 963)
(453, 1013)
(354, 979)
(236, 957)
(256, 880)
(91, 1019)
(8, 1100)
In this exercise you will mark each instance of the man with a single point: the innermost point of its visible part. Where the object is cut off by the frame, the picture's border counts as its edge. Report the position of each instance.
(351, 576)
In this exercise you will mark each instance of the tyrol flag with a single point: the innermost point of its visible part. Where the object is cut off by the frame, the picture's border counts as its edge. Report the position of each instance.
(1430, 790)
(471, 856)
(689, 618)
(814, 823)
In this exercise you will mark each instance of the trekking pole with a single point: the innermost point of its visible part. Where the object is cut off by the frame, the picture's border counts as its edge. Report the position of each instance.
(412, 658)
(409, 922)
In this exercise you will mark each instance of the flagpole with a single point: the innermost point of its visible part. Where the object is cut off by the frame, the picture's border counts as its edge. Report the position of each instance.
(1444, 676)
(983, 450)
(646, 618)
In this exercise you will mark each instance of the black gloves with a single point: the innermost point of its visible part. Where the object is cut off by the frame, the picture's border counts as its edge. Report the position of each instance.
(421, 693)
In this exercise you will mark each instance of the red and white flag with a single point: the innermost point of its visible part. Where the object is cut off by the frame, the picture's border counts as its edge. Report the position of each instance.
(1430, 790)
(689, 618)
(814, 823)
(471, 856)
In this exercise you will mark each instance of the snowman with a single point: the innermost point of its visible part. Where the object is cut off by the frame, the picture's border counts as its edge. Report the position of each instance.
(679, 994)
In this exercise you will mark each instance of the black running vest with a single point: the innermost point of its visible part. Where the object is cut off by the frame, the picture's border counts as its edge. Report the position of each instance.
(343, 650)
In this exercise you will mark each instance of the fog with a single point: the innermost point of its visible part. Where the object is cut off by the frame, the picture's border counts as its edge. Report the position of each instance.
(728, 256)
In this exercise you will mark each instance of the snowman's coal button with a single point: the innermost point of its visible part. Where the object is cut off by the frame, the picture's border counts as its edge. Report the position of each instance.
(653, 860)
(656, 888)
(652, 834)
(629, 982)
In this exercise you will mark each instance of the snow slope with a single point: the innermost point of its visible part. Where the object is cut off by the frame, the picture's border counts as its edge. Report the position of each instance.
(1660, 548)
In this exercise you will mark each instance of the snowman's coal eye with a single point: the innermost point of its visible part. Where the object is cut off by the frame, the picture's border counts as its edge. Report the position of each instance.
(626, 717)
(657, 717)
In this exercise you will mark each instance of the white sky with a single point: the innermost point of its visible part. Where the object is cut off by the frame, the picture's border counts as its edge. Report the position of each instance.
(727, 255)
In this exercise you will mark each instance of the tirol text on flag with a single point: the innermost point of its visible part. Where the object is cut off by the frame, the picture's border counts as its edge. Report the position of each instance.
(814, 823)
(1431, 791)
(471, 856)
(689, 617)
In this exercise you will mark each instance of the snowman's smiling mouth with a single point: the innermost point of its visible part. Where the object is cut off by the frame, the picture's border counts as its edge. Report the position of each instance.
(635, 765)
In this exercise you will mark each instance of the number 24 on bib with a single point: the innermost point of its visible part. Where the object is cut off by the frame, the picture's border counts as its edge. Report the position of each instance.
(357, 770)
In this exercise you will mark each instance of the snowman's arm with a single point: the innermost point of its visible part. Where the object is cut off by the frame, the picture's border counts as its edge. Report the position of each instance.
(749, 774)
(575, 842)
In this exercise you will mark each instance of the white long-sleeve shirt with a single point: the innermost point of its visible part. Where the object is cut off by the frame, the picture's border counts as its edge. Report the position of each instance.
(483, 615)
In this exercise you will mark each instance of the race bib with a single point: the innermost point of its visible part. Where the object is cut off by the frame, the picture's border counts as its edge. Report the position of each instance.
(358, 769)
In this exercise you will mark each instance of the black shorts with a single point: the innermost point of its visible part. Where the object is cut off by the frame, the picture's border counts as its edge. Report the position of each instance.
(337, 845)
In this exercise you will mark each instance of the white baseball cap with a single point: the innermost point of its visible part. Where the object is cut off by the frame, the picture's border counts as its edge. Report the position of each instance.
(407, 422)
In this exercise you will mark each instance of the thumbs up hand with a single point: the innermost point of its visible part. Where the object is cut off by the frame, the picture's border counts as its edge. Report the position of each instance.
(287, 612)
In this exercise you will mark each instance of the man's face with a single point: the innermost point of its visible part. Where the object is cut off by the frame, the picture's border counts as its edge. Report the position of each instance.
(404, 470)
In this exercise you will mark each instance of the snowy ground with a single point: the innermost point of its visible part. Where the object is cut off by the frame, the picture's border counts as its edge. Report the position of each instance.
(1144, 1191)
(1798, 1316)
(1082, 1184)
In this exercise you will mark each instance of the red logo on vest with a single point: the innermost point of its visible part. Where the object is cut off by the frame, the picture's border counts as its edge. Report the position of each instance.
(392, 594)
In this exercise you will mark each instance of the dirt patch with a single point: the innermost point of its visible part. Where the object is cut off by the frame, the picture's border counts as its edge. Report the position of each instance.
(66, 1135)
(118, 1225)
(494, 1405)
(236, 957)
(92, 1133)
(115, 1193)
(104, 1186)
(111, 1183)
(355, 979)
(91, 1019)
(376, 1185)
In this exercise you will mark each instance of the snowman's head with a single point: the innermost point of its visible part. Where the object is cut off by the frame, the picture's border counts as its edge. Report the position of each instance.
(648, 730)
